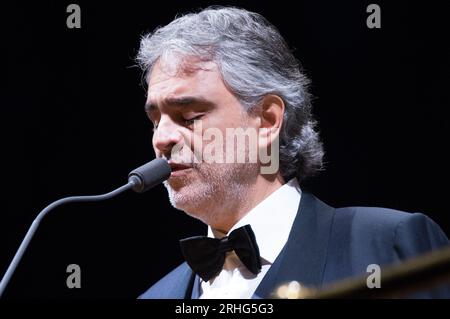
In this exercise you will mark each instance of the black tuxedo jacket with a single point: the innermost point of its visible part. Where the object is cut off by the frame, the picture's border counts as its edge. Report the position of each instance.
(327, 244)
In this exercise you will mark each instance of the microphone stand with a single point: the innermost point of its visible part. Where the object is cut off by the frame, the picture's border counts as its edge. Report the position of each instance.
(140, 180)
(26, 241)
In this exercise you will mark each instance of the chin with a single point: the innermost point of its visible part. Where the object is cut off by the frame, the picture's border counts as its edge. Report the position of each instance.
(190, 199)
(181, 195)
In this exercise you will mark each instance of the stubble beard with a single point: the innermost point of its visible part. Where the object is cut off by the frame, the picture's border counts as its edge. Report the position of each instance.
(209, 191)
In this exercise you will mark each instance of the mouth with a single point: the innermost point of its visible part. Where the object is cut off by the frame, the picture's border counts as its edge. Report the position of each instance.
(178, 169)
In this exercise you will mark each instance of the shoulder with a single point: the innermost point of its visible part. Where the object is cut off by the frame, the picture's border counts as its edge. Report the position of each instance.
(409, 233)
(172, 286)
(372, 235)
(381, 218)
(376, 217)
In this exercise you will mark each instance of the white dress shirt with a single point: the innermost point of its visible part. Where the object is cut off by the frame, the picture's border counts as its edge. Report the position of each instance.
(271, 221)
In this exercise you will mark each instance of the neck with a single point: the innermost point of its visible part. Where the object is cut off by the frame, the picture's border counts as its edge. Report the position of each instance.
(229, 215)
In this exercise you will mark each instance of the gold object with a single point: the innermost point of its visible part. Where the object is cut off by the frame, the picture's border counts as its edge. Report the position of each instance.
(416, 274)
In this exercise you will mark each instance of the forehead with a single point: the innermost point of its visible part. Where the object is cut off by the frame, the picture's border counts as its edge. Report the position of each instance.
(196, 78)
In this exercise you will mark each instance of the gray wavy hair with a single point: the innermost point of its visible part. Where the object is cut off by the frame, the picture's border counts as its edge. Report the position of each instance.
(254, 61)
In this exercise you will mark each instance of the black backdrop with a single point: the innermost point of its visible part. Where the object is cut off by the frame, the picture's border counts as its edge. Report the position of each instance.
(72, 123)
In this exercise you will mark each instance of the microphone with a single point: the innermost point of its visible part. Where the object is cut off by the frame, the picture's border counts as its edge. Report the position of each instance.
(149, 175)
(140, 180)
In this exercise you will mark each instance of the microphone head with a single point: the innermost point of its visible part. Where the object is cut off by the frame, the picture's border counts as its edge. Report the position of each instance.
(149, 175)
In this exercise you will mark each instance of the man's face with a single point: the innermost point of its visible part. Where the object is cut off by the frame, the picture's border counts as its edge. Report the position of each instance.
(177, 99)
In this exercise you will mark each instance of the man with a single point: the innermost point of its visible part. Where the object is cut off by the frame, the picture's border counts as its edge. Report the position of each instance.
(228, 70)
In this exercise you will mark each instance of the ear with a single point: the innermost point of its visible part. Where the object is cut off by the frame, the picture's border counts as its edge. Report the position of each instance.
(271, 114)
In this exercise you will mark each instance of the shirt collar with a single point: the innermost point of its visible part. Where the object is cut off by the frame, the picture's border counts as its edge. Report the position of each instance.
(271, 220)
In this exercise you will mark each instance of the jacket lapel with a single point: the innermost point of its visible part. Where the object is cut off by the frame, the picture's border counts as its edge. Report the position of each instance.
(196, 288)
(176, 285)
(304, 256)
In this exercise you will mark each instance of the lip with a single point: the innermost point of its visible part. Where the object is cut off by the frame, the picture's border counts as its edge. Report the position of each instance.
(178, 169)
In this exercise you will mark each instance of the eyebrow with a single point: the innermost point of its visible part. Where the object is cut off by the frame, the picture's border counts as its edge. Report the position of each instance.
(179, 102)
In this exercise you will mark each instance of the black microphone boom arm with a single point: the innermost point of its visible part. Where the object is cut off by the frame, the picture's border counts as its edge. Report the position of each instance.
(140, 180)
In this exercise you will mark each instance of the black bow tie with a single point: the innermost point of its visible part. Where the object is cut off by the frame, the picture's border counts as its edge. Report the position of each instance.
(206, 255)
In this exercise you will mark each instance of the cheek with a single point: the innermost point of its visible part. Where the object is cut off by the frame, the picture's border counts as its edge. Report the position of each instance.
(226, 119)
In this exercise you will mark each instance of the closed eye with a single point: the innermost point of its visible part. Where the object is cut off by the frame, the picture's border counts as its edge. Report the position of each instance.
(190, 121)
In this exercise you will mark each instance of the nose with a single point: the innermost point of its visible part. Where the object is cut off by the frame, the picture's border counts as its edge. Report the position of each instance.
(165, 137)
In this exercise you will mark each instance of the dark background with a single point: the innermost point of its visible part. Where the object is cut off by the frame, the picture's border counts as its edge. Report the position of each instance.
(72, 123)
